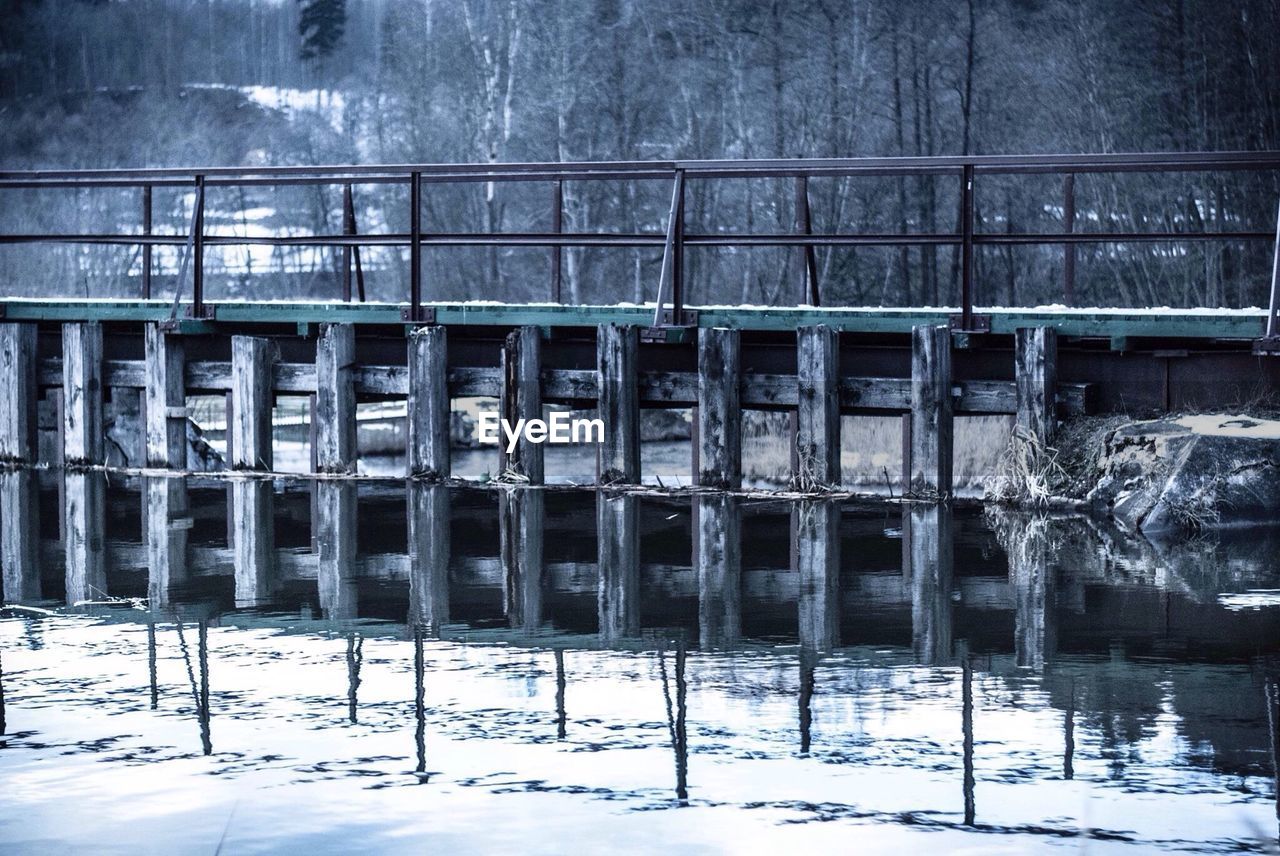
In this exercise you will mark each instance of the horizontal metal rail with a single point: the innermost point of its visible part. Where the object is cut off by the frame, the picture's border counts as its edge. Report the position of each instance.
(965, 169)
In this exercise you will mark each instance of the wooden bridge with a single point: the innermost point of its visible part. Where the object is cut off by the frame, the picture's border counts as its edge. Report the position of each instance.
(813, 360)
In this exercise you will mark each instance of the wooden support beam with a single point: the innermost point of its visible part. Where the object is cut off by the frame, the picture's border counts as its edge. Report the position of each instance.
(717, 559)
(19, 536)
(82, 394)
(253, 550)
(336, 547)
(817, 442)
(428, 413)
(165, 413)
(931, 412)
(18, 393)
(84, 513)
(522, 399)
(720, 409)
(618, 457)
(521, 525)
(817, 539)
(618, 565)
(1036, 367)
(336, 399)
(252, 398)
(429, 547)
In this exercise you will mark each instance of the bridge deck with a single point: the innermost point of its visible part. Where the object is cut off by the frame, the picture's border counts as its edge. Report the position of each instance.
(1204, 324)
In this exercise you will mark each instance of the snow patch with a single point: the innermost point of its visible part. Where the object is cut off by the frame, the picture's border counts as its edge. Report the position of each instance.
(1225, 425)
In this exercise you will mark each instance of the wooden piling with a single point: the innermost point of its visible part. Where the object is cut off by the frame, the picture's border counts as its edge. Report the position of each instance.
(18, 422)
(521, 517)
(82, 394)
(1036, 373)
(718, 563)
(618, 565)
(818, 565)
(165, 413)
(252, 363)
(522, 399)
(618, 457)
(429, 548)
(932, 567)
(335, 412)
(19, 536)
(336, 542)
(428, 417)
(931, 412)
(84, 515)
(253, 549)
(817, 442)
(720, 410)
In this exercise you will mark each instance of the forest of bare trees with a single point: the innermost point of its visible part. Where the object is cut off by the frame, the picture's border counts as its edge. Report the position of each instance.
(229, 82)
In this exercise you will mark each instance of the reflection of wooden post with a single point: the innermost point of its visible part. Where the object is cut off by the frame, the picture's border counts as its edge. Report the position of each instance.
(168, 526)
(521, 514)
(966, 727)
(166, 399)
(336, 543)
(719, 409)
(19, 536)
(817, 443)
(931, 571)
(818, 565)
(18, 393)
(522, 399)
(253, 550)
(429, 547)
(619, 404)
(335, 412)
(84, 518)
(718, 562)
(82, 393)
(931, 411)
(252, 362)
(618, 564)
(1036, 370)
(1032, 593)
(428, 416)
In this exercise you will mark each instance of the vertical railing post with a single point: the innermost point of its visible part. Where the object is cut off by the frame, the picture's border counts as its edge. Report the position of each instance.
(348, 229)
(1069, 250)
(1273, 322)
(146, 248)
(197, 249)
(804, 224)
(966, 247)
(415, 246)
(557, 226)
(677, 257)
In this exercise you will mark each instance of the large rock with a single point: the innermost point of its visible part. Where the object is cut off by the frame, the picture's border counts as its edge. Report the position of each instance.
(1192, 472)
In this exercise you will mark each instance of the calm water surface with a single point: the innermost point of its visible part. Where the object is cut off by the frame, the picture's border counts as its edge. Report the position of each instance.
(251, 667)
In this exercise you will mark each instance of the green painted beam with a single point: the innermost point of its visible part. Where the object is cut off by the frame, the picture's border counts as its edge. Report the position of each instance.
(1101, 323)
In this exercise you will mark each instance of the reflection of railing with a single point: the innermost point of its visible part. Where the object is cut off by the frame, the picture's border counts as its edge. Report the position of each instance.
(671, 291)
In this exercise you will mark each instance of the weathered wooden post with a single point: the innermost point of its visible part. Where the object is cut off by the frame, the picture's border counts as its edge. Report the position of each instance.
(818, 409)
(19, 536)
(428, 416)
(166, 399)
(1036, 370)
(818, 566)
(253, 548)
(335, 411)
(336, 547)
(252, 367)
(720, 410)
(618, 565)
(618, 457)
(932, 565)
(168, 527)
(931, 412)
(521, 516)
(84, 518)
(522, 399)
(82, 394)
(718, 563)
(429, 546)
(18, 393)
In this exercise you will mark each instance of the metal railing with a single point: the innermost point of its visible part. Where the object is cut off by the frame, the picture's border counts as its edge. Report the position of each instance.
(674, 241)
